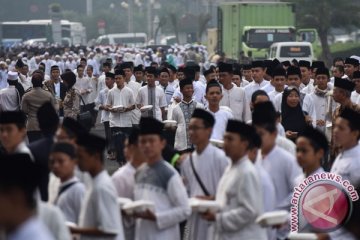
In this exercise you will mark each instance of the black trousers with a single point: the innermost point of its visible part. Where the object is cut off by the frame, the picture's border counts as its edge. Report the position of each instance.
(107, 133)
(118, 137)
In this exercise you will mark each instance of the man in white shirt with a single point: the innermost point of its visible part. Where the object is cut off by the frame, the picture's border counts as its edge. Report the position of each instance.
(48, 63)
(258, 72)
(124, 177)
(91, 61)
(351, 65)
(347, 163)
(139, 75)
(307, 83)
(157, 181)
(106, 67)
(152, 95)
(71, 192)
(83, 84)
(239, 191)
(9, 97)
(24, 78)
(120, 102)
(238, 79)
(355, 95)
(209, 162)
(182, 114)
(213, 96)
(13, 132)
(18, 217)
(279, 79)
(281, 165)
(101, 102)
(246, 72)
(233, 96)
(323, 103)
(164, 84)
(173, 81)
(134, 86)
(100, 216)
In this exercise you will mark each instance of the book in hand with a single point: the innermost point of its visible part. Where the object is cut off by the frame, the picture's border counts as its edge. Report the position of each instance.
(302, 236)
(272, 218)
(146, 107)
(138, 206)
(118, 108)
(201, 206)
(170, 123)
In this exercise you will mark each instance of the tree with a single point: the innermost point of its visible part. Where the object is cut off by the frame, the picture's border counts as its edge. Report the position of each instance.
(325, 14)
(174, 21)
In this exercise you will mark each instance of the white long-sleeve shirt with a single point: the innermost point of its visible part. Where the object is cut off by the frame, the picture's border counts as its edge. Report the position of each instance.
(162, 185)
(240, 196)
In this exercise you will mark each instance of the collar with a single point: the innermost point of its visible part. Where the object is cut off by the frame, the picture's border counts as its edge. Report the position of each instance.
(350, 152)
(71, 180)
(240, 161)
(187, 103)
(100, 175)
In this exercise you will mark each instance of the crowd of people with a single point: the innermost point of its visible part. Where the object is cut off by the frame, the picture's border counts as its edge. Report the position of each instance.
(181, 126)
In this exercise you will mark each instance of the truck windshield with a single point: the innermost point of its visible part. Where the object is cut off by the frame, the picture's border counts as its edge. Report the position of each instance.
(295, 51)
(263, 38)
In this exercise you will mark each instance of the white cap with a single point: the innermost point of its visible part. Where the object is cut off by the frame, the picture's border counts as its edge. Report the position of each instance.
(12, 76)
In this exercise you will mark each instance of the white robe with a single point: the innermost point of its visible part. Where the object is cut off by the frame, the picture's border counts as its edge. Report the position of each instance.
(162, 185)
(71, 199)
(240, 196)
(100, 209)
(210, 166)
(160, 100)
(221, 119)
(235, 99)
(252, 87)
(283, 169)
(347, 165)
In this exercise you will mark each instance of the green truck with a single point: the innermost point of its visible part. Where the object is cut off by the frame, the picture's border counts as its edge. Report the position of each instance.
(251, 27)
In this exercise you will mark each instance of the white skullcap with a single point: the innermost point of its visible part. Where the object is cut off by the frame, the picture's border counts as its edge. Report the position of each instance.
(12, 76)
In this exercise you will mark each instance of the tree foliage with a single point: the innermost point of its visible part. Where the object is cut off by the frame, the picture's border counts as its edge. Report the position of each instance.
(326, 14)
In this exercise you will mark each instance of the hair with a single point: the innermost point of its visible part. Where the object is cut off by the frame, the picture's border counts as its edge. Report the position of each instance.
(345, 92)
(37, 80)
(92, 151)
(83, 59)
(91, 67)
(258, 93)
(270, 127)
(316, 146)
(210, 85)
(79, 66)
(337, 59)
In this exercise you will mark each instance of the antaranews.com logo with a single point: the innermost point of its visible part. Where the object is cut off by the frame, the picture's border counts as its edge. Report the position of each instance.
(322, 203)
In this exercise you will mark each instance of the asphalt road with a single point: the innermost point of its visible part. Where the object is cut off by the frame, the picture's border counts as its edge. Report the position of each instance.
(111, 166)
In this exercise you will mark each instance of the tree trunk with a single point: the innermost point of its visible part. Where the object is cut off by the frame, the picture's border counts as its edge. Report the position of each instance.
(326, 54)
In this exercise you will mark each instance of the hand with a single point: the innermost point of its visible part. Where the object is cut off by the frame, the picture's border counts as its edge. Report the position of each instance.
(148, 215)
(209, 216)
(291, 135)
(182, 158)
(320, 123)
(177, 99)
(308, 119)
